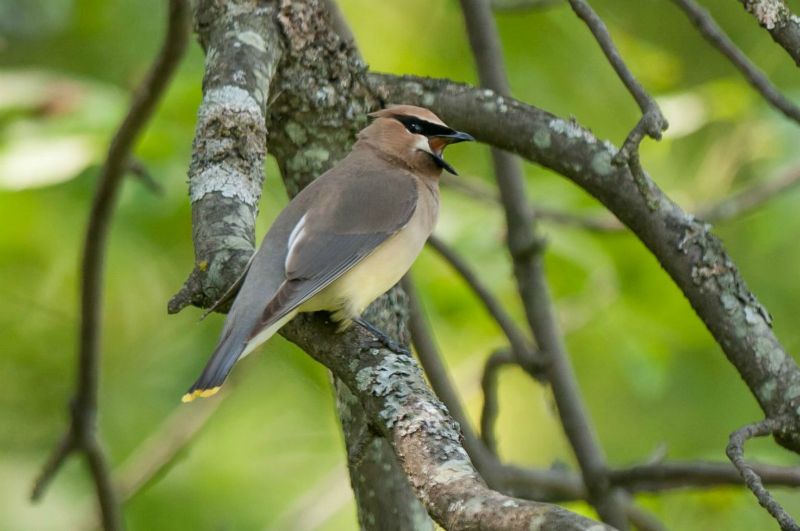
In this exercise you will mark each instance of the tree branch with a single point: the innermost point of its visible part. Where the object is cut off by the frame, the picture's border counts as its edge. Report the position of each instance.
(81, 436)
(751, 198)
(521, 347)
(524, 246)
(393, 392)
(710, 31)
(652, 122)
(514, 481)
(243, 49)
(735, 451)
(490, 409)
(727, 208)
(688, 251)
(698, 474)
(775, 17)
(158, 451)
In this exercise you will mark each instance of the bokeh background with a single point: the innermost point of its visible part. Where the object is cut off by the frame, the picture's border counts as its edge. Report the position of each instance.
(271, 457)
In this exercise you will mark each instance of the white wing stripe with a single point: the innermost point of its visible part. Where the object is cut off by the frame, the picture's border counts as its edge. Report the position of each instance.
(295, 236)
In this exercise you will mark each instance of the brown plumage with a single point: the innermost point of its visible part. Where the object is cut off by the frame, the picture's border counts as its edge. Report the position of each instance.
(344, 240)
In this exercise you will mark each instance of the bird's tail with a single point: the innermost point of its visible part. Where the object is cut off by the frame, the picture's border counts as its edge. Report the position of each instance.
(230, 349)
(216, 370)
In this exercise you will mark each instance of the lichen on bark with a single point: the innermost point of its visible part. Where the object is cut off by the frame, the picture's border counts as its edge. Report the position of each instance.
(226, 172)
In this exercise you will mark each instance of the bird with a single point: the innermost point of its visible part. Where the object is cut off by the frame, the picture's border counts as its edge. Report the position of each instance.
(344, 240)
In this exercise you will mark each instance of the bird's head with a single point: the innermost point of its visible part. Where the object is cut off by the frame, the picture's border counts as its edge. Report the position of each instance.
(413, 134)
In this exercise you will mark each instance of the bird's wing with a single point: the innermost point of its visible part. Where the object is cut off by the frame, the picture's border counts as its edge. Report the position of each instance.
(338, 231)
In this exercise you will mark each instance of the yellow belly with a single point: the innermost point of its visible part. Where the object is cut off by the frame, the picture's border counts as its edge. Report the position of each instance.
(351, 293)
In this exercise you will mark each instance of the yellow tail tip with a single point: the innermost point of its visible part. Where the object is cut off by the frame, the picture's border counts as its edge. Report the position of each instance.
(202, 393)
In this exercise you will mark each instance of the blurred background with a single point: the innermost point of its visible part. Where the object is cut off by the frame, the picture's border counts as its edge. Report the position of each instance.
(271, 456)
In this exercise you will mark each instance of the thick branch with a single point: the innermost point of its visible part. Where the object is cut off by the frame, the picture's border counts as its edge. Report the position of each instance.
(694, 258)
(393, 392)
(81, 435)
(243, 48)
(775, 17)
(528, 484)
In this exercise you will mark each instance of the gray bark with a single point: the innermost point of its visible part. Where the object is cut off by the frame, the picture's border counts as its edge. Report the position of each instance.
(227, 170)
(783, 25)
(427, 441)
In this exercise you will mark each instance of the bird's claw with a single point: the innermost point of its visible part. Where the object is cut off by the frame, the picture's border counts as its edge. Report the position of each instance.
(391, 345)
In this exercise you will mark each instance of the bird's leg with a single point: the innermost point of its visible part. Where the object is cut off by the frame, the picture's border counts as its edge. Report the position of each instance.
(381, 337)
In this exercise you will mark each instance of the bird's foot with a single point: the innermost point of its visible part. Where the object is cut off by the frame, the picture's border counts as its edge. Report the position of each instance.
(381, 339)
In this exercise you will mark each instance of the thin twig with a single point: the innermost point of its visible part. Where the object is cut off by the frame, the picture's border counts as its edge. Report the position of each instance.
(735, 451)
(138, 169)
(652, 123)
(740, 204)
(709, 29)
(432, 364)
(751, 198)
(524, 246)
(81, 435)
(600, 224)
(473, 189)
(520, 345)
(160, 449)
(66, 445)
(490, 409)
(489, 384)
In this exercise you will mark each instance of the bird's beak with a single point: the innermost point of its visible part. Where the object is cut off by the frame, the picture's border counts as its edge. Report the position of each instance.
(456, 136)
(438, 143)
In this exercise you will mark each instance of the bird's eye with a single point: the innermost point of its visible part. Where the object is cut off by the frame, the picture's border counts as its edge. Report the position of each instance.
(414, 127)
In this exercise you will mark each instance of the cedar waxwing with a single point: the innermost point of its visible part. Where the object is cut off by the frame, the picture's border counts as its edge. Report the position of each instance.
(344, 240)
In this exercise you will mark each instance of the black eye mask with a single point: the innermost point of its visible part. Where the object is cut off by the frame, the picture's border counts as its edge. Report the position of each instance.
(418, 126)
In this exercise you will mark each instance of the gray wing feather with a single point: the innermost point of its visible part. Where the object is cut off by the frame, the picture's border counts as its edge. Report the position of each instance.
(339, 231)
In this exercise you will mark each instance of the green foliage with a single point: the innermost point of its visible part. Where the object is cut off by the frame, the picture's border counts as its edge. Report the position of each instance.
(649, 371)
